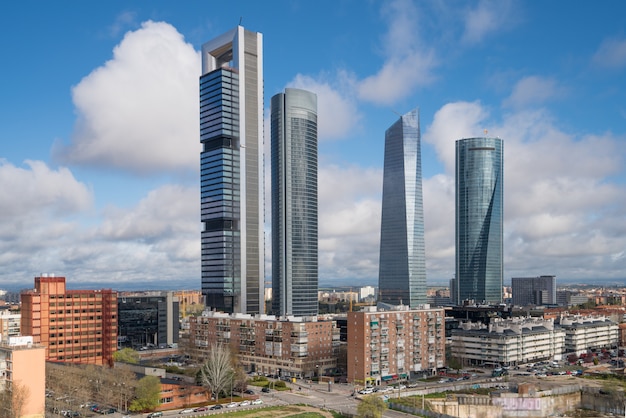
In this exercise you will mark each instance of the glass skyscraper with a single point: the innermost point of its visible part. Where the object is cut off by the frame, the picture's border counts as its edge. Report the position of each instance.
(402, 265)
(231, 185)
(479, 219)
(294, 203)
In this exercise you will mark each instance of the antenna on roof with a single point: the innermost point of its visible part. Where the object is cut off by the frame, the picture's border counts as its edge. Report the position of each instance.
(396, 113)
(240, 19)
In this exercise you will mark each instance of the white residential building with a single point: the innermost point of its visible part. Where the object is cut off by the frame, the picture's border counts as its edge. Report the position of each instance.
(585, 332)
(507, 342)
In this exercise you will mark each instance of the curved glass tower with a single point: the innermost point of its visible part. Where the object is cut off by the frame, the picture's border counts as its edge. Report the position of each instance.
(479, 219)
(231, 172)
(402, 265)
(294, 203)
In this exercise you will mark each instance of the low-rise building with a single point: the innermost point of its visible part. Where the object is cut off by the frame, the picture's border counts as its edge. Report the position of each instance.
(507, 342)
(588, 332)
(23, 375)
(388, 345)
(287, 346)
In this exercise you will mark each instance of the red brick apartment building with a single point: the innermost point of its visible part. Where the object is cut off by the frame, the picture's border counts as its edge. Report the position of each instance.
(386, 346)
(291, 346)
(75, 326)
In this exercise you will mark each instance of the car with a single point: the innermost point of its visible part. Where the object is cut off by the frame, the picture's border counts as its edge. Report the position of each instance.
(367, 391)
(107, 411)
(244, 403)
(232, 405)
(248, 392)
(186, 411)
(265, 390)
(257, 402)
(155, 414)
(200, 409)
(215, 407)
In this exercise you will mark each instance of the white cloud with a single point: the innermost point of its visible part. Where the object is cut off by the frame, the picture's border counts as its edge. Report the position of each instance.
(139, 111)
(534, 90)
(36, 189)
(408, 63)
(337, 112)
(488, 17)
(611, 54)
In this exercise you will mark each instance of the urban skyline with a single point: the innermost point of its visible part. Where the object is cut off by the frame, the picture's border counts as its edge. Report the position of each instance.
(99, 164)
(402, 262)
(294, 203)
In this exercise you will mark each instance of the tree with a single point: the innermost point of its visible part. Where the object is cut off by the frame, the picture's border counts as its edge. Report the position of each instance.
(13, 399)
(126, 355)
(371, 407)
(147, 394)
(216, 373)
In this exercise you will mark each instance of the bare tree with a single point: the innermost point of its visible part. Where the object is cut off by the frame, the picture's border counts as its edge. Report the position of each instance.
(13, 399)
(216, 373)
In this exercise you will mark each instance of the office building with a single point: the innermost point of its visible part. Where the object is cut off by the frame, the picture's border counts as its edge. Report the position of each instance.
(231, 185)
(507, 342)
(402, 265)
(534, 290)
(75, 326)
(286, 346)
(294, 203)
(387, 346)
(23, 376)
(479, 219)
(147, 320)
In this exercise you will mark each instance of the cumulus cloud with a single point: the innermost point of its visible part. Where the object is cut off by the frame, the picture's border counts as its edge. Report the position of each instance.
(486, 18)
(337, 111)
(611, 54)
(408, 63)
(534, 90)
(139, 111)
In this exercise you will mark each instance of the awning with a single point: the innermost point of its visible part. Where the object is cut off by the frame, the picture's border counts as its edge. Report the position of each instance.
(395, 376)
(403, 375)
(385, 378)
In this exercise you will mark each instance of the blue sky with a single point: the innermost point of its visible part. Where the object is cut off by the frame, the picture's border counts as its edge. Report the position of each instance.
(99, 144)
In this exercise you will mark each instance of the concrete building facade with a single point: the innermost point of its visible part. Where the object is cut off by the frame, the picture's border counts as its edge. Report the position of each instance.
(287, 346)
(507, 342)
(9, 323)
(23, 374)
(588, 332)
(75, 326)
(386, 346)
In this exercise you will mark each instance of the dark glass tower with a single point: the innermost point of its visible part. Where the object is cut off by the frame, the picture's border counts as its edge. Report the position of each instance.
(294, 203)
(479, 219)
(402, 266)
(231, 133)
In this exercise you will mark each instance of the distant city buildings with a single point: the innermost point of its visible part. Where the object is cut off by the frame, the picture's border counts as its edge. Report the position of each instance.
(231, 170)
(534, 290)
(294, 203)
(392, 345)
(75, 326)
(9, 324)
(479, 220)
(286, 346)
(23, 375)
(588, 332)
(402, 264)
(147, 320)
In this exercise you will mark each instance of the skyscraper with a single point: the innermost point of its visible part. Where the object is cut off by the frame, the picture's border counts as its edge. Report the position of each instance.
(402, 266)
(231, 133)
(479, 219)
(294, 203)
(534, 290)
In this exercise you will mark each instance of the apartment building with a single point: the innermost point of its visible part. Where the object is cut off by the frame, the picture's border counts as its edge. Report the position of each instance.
(588, 332)
(23, 373)
(75, 326)
(507, 342)
(9, 323)
(287, 346)
(389, 345)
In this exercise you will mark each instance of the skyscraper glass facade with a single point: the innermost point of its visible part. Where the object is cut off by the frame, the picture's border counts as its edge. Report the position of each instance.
(402, 265)
(294, 203)
(231, 187)
(479, 219)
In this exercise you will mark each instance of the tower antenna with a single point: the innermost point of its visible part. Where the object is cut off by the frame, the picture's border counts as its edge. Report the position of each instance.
(240, 19)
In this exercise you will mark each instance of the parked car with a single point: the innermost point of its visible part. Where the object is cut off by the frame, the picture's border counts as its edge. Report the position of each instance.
(217, 406)
(232, 405)
(199, 409)
(244, 403)
(155, 414)
(265, 390)
(186, 411)
(257, 402)
(248, 392)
